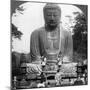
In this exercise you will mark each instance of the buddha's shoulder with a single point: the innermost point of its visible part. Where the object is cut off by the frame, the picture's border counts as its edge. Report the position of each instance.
(39, 30)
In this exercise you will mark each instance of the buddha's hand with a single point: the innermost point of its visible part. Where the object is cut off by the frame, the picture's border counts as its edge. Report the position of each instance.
(34, 68)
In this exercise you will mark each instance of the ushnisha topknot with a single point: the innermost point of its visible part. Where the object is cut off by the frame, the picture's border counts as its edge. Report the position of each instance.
(51, 6)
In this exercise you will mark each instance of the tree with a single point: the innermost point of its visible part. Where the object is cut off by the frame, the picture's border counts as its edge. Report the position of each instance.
(80, 35)
(15, 33)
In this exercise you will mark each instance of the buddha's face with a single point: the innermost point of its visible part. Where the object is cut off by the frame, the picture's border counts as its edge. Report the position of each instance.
(52, 17)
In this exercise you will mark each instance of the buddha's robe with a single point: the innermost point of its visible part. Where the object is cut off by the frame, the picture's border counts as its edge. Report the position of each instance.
(50, 43)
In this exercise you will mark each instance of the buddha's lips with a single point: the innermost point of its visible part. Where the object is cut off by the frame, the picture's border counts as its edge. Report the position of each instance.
(52, 23)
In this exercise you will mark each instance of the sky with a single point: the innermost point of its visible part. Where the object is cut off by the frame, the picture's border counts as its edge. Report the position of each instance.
(29, 17)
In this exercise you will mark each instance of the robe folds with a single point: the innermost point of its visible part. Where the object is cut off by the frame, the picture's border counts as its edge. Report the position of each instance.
(40, 45)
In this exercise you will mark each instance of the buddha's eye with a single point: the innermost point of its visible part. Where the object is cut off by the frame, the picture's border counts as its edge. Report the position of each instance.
(55, 15)
(49, 14)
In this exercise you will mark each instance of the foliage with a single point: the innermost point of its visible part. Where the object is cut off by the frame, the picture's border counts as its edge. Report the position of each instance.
(15, 33)
(80, 35)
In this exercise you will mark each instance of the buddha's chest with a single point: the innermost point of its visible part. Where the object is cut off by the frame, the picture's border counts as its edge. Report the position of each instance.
(52, 40)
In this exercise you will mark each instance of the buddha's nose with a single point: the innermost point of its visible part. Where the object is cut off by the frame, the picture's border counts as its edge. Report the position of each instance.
(52, 17)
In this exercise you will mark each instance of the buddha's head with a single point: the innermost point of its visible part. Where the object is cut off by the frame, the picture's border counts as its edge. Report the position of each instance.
(52, 15)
